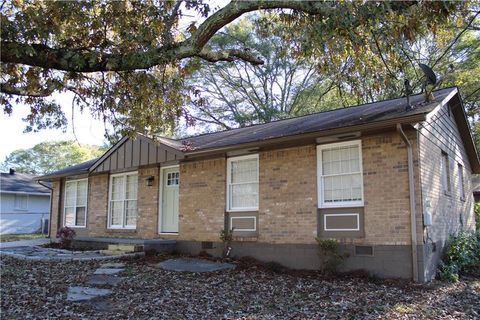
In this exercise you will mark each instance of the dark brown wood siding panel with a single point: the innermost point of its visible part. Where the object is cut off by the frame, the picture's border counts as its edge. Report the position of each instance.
(113, 161)
(128, 153)
(339, 222)
(136, 154)
(143, 152)
(105, 166)
(160, 155)
(170, 156)
(121, 157)
(248, 220)
(152, 153)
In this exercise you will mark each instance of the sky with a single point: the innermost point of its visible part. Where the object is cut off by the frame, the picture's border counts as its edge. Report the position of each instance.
(87, 129)
(12, 137)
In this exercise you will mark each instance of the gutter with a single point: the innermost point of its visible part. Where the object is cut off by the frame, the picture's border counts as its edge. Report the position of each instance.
(413, 210)
(384, 124)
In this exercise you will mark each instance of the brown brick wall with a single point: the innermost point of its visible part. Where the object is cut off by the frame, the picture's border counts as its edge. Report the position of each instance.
(288, 197)
(288, 194)
(97, 212)
(55, 209)
(147, 204)
(202, 199)
(97, 205)
(386, 191)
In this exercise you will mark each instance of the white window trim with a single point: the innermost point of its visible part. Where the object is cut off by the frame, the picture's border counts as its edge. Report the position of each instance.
(160, 198)
(229, 178)
(75, 206)
(461, 181)
(244, 230)
(446, 174)
(15, 202)
(117, 226)
(344, 204)
(340, 214)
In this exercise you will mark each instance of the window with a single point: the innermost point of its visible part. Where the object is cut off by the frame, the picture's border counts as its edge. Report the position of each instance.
(123, 201)
(242, 183)
(446, 173)
(21, 202)
(75, 208)
(340, 181)
(461, 182)
(173, 178)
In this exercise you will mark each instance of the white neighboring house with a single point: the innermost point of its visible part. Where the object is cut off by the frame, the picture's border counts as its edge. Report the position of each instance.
(24, 204)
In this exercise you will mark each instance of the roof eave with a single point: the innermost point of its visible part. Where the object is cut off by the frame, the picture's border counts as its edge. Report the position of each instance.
(466, 134)
(51, 177)
(366, 126)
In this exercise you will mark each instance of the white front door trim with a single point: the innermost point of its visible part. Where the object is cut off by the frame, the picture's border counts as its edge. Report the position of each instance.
(160, 198)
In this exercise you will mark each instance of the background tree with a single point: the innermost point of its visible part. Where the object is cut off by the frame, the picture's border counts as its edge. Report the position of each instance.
(126, 61)
(233, 94)
(46, 157)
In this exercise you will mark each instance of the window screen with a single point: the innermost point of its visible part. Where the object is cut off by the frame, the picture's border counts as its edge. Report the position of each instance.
(243, 183)
(341, 175)
(123, 200)
(75, 203)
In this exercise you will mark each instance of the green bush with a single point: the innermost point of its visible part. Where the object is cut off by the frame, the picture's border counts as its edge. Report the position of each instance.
(463, 250)
(331, 257)
(477, 216)
(226, 236)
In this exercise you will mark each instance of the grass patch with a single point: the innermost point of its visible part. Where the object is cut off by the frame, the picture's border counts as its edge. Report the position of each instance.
(16, 237)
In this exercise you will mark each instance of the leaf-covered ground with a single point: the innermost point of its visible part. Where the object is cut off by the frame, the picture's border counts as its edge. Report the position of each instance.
(37, 290)
(23, 236)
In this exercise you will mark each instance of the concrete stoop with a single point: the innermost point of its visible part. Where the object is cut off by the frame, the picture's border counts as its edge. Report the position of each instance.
(114, 249)
(116, 246)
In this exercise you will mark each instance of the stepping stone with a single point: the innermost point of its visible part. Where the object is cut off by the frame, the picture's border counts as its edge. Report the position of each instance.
(194, 265)
(108, 270)
(102, 280)
(115, 265)
(85, 293)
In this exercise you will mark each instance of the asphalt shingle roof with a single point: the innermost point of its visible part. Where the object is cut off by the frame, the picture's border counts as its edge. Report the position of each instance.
(316, 122)
(337, 118)
(78, 168)
(22, 183)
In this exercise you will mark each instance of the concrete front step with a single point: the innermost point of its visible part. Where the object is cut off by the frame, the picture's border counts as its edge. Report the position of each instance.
(112, 252)
(125, 247)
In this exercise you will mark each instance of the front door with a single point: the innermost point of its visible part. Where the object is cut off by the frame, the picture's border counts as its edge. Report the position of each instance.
(169, 205)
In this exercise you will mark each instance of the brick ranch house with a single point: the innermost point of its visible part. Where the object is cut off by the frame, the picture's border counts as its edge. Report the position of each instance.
(366, 175)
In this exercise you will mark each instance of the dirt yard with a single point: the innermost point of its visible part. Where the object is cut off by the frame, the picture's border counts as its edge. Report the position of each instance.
(38, 290)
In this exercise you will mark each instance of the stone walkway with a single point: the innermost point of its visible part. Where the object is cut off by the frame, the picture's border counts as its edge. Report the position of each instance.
(49, 254)
(100, 285)
(24, 243)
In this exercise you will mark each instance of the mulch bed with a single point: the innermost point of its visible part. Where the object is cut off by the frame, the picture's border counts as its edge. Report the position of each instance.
(37, 290)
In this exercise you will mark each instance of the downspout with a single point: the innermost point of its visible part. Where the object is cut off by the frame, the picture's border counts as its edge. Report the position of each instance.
(51, 207)
(413, 210)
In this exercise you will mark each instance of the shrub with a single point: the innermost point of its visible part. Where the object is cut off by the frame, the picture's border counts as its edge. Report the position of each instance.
(66, 236)
(463, 250)
(331, 257)
(226, 236)
(477, 216)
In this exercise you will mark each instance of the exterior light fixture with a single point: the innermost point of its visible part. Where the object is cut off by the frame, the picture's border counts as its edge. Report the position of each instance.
(150, 180)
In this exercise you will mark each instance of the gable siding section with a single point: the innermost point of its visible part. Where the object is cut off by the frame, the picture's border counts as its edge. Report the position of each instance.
(449, 212)
(135, 153)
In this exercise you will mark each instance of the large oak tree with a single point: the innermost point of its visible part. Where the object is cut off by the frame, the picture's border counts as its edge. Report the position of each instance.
(126, 62)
